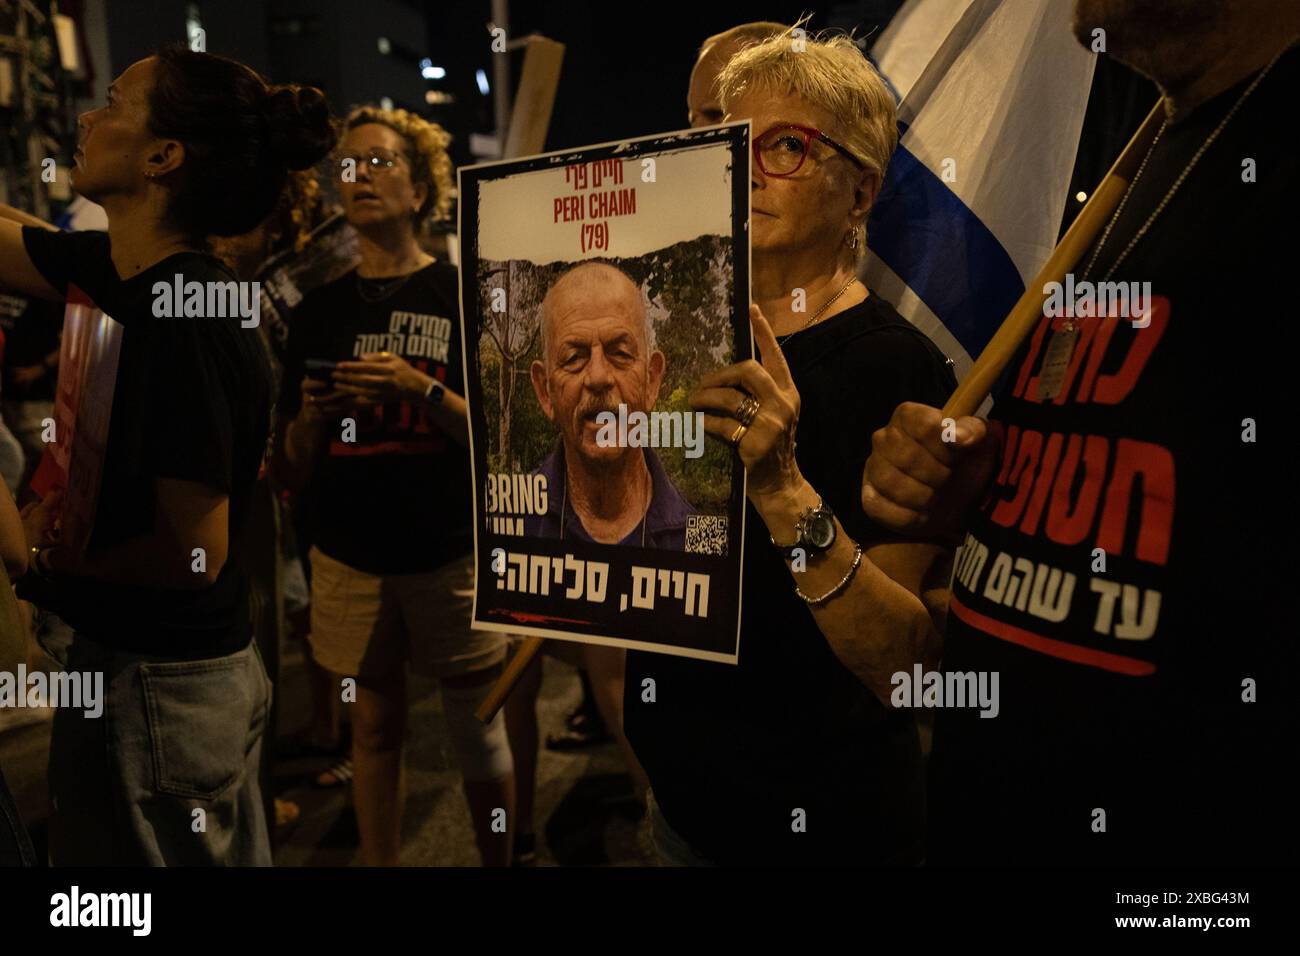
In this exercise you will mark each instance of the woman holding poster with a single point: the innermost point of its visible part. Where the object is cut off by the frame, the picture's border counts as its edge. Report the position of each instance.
(796, 755)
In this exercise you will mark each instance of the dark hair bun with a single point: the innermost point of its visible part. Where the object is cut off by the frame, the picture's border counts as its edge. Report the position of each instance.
(299, 128)
(241, 138)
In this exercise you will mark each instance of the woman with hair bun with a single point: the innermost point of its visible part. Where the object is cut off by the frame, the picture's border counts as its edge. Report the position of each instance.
(189, 146)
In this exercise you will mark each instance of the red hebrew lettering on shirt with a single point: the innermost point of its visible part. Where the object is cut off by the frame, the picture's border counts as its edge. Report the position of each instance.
(1150, 467)
(1091, 348)
(1068, 522)
(1113, 389)
(1020, 476)
(1068, 558)
(399, 428)
(1031, 481)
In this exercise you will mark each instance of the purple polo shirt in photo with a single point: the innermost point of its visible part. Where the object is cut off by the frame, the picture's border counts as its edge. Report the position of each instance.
(665, 520)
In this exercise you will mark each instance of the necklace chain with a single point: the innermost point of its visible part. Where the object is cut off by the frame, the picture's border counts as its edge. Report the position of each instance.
(1061, 345)
(813, 318)
(379, 288)
(1177, 182)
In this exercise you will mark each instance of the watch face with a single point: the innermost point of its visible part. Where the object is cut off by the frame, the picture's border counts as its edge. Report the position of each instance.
(821, 530)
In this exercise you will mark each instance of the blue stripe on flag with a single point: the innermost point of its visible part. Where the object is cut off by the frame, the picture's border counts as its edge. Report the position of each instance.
(881, 73)
(942, 251)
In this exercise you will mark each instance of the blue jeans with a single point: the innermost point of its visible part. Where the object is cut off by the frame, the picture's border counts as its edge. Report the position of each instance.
(168, 774)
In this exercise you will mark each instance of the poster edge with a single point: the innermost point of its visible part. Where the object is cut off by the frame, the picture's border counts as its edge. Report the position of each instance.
(671, 650)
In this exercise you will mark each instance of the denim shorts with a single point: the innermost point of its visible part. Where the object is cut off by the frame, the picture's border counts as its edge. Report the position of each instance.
(168, 774)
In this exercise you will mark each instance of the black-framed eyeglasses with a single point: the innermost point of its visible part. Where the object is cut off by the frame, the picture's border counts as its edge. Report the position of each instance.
(781, 151)
(379, 160)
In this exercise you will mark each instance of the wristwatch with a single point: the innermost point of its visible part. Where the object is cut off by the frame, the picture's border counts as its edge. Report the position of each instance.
(434, 394)
(814, 530)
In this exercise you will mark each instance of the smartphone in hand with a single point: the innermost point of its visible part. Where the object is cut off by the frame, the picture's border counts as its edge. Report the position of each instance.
(320, 369)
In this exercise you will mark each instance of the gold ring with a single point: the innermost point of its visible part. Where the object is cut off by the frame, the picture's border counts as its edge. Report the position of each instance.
(747, 411)
(738, 435)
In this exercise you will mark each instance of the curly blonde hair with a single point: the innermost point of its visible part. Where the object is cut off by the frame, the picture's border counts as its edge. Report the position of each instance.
(298, 211)
(427, 144)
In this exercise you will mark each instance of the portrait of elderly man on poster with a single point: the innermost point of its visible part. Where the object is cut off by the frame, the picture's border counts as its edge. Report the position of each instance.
(600, 286)
(598, 361)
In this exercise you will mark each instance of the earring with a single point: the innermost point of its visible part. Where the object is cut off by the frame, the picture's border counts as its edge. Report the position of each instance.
(851, 240)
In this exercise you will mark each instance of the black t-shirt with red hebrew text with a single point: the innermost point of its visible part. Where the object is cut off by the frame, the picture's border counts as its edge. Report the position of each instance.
(397, 499)
(1126, 575)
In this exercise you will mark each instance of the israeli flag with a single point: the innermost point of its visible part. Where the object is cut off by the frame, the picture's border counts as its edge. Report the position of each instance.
(988, 130)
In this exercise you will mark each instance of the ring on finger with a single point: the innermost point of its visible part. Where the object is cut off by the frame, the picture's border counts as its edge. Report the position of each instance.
(747, 411)
(739, 434)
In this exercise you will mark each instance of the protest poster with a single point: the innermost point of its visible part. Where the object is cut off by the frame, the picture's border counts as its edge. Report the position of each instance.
(329, 252)
(598, 286)
(83, 403)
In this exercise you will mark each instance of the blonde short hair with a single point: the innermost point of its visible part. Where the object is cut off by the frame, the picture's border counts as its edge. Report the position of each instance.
(427, 144)
(745, 34)
(830, 73)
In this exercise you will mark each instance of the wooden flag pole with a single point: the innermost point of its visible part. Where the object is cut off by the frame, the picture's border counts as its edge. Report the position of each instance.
(508, 679)
(1022, 319)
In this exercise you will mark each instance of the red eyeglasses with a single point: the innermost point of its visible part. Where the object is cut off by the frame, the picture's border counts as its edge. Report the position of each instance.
(782, 150)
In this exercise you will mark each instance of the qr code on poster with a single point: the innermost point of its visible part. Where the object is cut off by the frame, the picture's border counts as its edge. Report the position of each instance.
(706, 534)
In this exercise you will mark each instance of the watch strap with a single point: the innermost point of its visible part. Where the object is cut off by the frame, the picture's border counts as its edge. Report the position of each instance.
(800, 529)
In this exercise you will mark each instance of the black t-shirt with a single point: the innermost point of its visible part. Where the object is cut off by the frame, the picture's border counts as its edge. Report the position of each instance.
(732, 751)
(397, 500)
(1122, 689)
(192, 401)
(31, 332)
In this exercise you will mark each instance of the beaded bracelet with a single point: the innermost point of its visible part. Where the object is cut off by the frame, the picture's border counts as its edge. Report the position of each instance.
(848, 575)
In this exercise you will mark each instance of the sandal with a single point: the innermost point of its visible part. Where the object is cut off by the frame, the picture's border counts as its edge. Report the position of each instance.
(339, 775)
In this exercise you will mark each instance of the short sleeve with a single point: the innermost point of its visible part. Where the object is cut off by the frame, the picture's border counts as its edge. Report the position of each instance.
(450, 286)
(195, 385)
(82, 258)
(874, 374)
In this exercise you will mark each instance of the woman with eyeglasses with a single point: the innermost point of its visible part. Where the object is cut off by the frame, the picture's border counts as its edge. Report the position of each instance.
(373, 431)
(797, 755)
